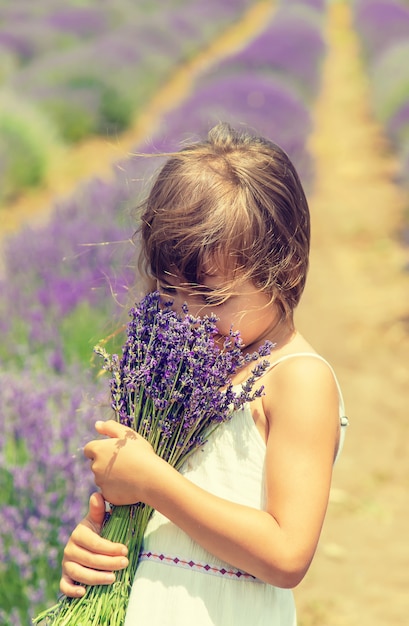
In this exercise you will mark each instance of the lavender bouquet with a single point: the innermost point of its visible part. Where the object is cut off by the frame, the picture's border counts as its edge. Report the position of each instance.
(172, 385)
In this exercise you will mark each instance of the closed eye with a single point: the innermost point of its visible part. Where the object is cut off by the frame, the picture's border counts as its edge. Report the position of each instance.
(213, 300)
(167, 289)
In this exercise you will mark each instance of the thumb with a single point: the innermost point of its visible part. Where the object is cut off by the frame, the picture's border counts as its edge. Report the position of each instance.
(96, 511)
(113, 429)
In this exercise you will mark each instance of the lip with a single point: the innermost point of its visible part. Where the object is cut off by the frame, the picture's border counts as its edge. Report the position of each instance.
(218, 338)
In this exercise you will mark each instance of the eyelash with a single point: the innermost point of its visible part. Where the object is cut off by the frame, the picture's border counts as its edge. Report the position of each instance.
(169, 290)
(213, 300)
(209, 300)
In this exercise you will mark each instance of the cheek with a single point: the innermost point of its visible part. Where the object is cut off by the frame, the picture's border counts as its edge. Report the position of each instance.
(228, 320)
(223, 327)
(238, 320)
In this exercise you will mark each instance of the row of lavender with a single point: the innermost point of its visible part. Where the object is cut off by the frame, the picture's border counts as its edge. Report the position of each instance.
(383, 27)
(67, 71)
(67, 284)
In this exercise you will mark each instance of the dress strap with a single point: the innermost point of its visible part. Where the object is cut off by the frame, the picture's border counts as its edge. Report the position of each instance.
(343, 420)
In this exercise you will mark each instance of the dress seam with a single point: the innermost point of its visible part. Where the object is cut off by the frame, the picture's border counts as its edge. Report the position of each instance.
(227, 572)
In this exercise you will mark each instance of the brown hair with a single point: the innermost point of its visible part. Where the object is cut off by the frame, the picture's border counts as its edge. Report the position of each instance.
(236, 199)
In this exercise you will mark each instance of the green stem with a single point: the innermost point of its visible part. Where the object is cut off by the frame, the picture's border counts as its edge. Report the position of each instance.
(106, 604)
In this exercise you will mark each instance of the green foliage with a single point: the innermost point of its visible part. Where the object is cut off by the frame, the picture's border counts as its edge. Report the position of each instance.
(78, 331)
(390, 77)
(82, 329)
(27, 141)
(115, 111)
(14, 346)
(15, 592)
(90, 106)
(8, 64)
(73, 121)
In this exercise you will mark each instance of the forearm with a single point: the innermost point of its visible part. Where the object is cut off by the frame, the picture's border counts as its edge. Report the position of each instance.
(247, 538)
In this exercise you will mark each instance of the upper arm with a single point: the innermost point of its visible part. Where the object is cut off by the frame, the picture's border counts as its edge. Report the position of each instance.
(302, 407)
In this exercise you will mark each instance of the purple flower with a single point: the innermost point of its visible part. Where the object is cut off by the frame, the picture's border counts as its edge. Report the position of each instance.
(80, 21)
(381, 23)
(317, 5)
(66, 279)
(44, 479)
(290, 47)
(172, 378)
(172, 384)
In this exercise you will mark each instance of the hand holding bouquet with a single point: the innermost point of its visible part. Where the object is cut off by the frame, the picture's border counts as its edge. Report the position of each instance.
(172, 385)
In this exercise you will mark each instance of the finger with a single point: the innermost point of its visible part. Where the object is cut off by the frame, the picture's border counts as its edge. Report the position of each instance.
(96, 511)
(74, 573)
(70, 589)
(76, 555)
(84, 537)
(113, 429)
(89, 450)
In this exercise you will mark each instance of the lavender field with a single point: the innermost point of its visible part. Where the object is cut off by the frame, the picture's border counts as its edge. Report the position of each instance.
(88, 69)
(81, 69)
(383, 28)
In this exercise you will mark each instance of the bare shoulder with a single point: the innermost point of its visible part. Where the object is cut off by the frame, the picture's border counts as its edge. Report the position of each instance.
(298, 368)
(302, 389)
(304, 368)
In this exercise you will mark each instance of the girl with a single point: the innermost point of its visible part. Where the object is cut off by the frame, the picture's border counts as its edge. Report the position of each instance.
(225, 229)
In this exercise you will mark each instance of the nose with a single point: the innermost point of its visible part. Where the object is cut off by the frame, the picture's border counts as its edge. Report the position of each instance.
(172, 300)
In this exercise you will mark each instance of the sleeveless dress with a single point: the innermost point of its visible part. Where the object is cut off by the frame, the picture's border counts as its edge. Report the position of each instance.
(179, 583)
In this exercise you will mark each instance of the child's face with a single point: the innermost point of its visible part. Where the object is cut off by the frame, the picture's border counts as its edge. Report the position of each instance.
(248, 310)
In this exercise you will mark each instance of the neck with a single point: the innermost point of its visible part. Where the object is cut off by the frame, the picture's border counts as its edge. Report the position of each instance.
(280, 333)
(283, 333)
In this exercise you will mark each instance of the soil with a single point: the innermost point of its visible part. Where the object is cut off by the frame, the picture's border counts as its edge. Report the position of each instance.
(355, 311)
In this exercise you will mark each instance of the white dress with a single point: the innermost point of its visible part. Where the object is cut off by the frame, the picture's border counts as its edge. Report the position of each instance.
(178, 583)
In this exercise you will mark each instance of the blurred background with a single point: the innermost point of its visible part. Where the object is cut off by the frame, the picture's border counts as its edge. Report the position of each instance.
(85, 86)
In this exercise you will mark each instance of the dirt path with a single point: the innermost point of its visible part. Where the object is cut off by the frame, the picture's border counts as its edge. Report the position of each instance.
(354, 311)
